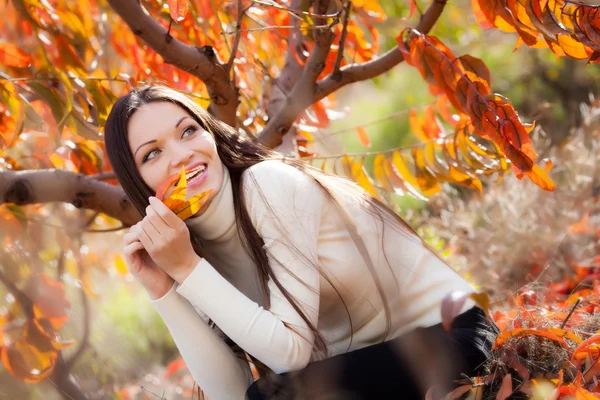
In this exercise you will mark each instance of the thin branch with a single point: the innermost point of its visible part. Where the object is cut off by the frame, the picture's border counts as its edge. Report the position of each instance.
(83, 344)
(340, 54)
(293, 10)
(273, 27)
(238, 36)
(42, 186)
(370, 69)
(388, 117)
(201, 62)
(373, 153)
(20, 296)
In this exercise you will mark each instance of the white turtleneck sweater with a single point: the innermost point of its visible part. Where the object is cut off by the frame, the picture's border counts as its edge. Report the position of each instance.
(300, 227)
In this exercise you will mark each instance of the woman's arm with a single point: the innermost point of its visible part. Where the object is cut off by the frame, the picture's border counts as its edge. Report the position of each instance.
(287, 218)
(215, 368)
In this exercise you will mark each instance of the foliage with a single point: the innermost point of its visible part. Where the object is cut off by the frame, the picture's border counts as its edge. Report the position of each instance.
(541, 264)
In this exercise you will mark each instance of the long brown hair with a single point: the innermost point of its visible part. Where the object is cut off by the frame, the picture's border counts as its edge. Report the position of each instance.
(237, 153)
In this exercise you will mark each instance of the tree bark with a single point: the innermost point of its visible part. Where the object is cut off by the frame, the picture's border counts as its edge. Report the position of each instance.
(201, 62)
(370, 69)
(302, 93)
(280, 124)
(42, 186)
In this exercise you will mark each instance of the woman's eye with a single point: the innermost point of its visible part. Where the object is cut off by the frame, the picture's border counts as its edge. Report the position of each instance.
(190, 130)
(150, 155)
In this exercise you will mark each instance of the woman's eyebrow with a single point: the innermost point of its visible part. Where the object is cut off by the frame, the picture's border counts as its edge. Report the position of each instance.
(152, 141)
(181, 120)
(142, 145)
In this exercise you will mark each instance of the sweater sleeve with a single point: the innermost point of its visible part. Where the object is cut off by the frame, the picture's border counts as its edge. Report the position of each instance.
(285, 207)
(215, 368)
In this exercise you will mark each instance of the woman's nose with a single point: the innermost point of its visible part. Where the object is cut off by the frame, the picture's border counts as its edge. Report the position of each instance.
(181, 156)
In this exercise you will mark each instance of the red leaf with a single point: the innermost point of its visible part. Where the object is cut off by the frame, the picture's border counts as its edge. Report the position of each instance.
(506, 388)
(178, 9)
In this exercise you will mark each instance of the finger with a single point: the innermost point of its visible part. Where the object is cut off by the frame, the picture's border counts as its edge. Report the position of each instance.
(131, 237)
(170, 218)
(151, 231)
(132, 248)
(145, 239)
(156, 220)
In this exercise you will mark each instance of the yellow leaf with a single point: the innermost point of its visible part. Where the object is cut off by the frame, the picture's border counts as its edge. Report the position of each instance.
(411, 182)
(379, 165)
(120, 264)
(357, 172)
(572, 47)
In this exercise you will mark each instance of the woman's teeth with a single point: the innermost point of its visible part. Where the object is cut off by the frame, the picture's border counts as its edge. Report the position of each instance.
(192, 175)
(195, 174)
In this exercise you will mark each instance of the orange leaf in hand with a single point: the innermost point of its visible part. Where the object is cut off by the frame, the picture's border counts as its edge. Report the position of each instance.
(177, 201)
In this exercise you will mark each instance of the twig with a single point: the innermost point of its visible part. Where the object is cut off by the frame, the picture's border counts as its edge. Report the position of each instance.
(340, 55)
(571, 312)
(393, 115)
(371, 153)
(86, 320)
(238, 36)
(292, 11)
(266, 28)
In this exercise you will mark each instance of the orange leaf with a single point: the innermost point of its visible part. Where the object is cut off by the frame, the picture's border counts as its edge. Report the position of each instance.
(520, 332)
(363, 136)
(174, 366)
(50, 300)
(177, 201)
(178, 9)
(12, 56)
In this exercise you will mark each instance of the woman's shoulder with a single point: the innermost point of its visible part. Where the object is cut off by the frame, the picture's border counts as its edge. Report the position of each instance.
(279, 181)
(275, 174)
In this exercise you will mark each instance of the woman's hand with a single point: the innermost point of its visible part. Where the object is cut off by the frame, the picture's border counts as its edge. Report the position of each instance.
(156, 281)
(166, 238)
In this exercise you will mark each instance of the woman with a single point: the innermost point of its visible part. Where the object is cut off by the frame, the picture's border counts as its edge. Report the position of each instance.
(317, 283)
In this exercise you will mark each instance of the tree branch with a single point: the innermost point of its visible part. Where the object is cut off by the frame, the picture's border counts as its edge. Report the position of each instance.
(42, 186)
(238, 36)
(340, 54)
(201, 62)
(376, 67)
(304, 90)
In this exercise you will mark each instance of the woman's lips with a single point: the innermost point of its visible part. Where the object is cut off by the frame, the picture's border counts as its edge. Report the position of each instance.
(198, 179)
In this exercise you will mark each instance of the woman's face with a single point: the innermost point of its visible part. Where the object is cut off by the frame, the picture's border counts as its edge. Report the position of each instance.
(163, 137)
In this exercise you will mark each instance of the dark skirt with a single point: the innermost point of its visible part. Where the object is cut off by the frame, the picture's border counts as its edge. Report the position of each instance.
(403, 368)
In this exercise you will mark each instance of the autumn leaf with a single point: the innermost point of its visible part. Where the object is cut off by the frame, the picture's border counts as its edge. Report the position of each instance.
(12, 56)
(120, 265)
(177, 201)
(363, 136)
(178, 9)
(49, 299)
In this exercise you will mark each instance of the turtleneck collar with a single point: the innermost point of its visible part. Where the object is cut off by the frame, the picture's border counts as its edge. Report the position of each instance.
(218, 221)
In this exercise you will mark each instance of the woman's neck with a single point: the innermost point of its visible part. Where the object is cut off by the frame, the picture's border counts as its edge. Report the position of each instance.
(218, 220)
